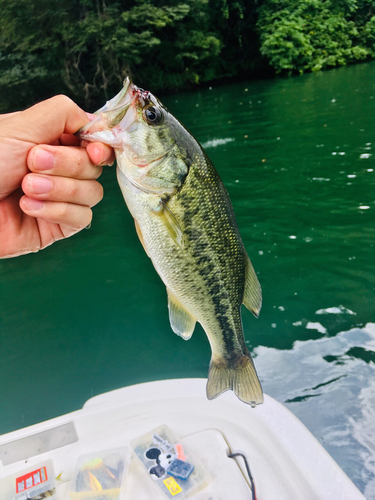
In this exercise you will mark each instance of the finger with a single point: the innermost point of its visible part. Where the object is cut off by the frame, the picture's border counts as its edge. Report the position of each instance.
(8, 115)
(62, 189)
(62, 161)
(100, 154)
(69, 140)
(74, 217)
(50, 119)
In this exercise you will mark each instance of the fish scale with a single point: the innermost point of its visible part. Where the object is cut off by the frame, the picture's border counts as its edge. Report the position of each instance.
(186, 223)
(219, 279)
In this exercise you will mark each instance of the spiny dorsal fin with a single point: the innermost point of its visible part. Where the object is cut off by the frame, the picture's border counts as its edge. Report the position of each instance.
(252, 297)
(182, 322)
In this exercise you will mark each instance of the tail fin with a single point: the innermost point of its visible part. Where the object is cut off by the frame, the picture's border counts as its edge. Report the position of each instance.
(240, 376)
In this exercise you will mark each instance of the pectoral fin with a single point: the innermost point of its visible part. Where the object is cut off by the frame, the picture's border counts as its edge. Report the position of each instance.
(140, 236)
(182, 322)
(171, 224)
(252, 297)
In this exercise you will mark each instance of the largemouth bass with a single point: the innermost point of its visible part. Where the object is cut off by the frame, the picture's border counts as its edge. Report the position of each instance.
(186, 224)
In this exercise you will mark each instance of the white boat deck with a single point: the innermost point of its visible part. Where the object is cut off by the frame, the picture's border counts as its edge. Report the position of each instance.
(286, 461)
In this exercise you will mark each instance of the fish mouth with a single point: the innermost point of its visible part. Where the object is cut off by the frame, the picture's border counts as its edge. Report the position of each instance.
(114, 115)
(111, 115)
(123, 98)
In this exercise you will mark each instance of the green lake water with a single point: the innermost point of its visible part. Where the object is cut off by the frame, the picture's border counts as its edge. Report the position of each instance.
(89, 314)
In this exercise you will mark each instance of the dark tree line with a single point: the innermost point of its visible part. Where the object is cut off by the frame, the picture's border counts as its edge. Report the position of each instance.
(85, 48)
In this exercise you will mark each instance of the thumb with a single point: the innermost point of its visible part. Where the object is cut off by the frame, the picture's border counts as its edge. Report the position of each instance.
(45, 122)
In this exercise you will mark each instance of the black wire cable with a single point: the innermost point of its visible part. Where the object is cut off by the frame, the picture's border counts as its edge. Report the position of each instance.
(240, 454)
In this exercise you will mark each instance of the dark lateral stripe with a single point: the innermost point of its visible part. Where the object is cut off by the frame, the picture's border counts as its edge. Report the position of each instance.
(201, 225)
(206, 269)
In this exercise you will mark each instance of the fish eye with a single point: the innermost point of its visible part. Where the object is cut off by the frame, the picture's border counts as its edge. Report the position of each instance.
(153, 115)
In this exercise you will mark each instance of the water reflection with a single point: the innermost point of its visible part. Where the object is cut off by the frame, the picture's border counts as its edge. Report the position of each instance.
(329, 383)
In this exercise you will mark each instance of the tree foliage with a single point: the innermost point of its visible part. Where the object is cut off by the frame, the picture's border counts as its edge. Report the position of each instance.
(310, 35)
(85, 48)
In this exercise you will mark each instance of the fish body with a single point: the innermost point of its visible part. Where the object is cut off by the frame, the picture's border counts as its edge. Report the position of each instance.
(186, 223)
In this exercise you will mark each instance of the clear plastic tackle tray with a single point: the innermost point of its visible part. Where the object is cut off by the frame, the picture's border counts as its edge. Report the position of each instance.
(168, 465)
(99, 475)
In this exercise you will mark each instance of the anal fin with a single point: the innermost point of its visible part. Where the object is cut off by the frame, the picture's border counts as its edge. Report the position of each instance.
(182, 322)
(239, 376)
(252, 297)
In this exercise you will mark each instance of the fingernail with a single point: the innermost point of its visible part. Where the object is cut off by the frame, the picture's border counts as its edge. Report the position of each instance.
(30, 204)
(98, 152)
(107, 163)
(39, 185)
(44, 160)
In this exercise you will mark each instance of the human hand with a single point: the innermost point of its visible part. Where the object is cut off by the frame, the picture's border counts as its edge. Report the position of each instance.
(47, 180)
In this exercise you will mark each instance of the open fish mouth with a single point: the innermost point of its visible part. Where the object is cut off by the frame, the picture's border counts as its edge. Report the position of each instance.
(123, 98)
(119, 116)
(114, 113)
